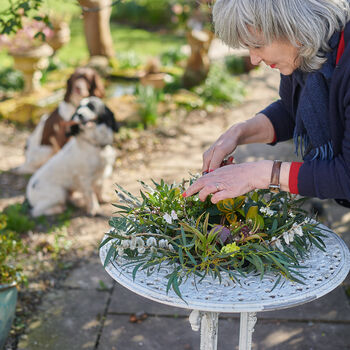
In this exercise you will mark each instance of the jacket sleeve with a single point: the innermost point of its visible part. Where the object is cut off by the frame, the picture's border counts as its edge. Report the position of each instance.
(280, 112)
(330, 178)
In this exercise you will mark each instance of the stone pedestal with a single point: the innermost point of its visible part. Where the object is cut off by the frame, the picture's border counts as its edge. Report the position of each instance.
(30, 63)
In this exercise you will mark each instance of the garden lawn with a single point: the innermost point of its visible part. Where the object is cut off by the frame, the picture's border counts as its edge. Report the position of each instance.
(125, 38)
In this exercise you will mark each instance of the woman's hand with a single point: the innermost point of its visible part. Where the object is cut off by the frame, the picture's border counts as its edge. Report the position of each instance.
(222, 147)
(232, 180)
(258, 129)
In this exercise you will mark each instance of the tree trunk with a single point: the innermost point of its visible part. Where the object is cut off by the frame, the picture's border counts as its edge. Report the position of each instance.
(97, 27)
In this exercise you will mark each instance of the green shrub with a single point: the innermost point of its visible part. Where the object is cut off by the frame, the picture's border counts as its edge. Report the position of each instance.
(235, 64)
(172, 56)
(18, 219)
(147, 98)
(128, 60)
(220, 87)
(143, 13)
(10, 247)
(11, 79)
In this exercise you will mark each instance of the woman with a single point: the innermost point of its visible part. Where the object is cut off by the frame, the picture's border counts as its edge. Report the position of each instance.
(306, 40)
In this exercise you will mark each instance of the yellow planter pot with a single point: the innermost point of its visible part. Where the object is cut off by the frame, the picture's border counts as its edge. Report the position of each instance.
(30, 63)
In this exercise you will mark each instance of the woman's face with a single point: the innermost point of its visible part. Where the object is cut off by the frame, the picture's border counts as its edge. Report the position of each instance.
(281, 55)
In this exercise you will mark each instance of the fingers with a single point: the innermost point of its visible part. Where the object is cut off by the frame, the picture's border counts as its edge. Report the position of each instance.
(194, 188)
(206, 160)
(206, 191)
(213, 157)
(216, 159)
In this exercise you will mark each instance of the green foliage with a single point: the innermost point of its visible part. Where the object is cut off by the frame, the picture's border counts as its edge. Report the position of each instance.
(235, 64)
(160, 13)
(148, 98)
(10, 247)
(11, 80)
(258, 232)
(18, 219)
(143, 13)
(128, 59)
(172, 57)
(220, 87)
(11, 18)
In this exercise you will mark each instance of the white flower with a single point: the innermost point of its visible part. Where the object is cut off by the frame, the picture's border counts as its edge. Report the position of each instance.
(297, 229)
(279, 245)
(174, 215)
(167, 218)
(151, 242)
(141, 250)
(163, 243)
(267, 211)
(153, 250)
(133, 243)
(120, 250)
(288, 236)
(125, 243)
(291, 214)
(139, 242)
(171, 248)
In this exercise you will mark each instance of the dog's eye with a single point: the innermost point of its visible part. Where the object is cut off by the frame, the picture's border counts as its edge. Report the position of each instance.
(91, 106)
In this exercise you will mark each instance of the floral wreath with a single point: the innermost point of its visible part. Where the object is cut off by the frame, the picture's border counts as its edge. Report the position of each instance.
(259, 232)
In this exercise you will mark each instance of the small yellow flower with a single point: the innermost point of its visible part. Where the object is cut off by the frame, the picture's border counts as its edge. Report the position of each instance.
(230, 248)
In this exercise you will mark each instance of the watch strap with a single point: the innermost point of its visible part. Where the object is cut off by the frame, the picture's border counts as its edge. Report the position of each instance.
(275, 176)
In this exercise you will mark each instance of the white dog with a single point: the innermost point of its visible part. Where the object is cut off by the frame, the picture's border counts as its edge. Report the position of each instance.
(50, 136)
(80, 165)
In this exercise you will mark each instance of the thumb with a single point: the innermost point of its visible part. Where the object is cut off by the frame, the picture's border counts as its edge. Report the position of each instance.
(215, 162)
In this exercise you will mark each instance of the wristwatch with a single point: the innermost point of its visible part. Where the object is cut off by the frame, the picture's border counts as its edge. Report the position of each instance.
(275, 177)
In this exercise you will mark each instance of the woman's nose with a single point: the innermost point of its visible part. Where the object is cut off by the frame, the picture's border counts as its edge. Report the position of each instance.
(254, 58)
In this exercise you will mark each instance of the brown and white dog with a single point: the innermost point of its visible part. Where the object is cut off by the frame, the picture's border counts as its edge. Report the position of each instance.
(50, 135)
(80, 165)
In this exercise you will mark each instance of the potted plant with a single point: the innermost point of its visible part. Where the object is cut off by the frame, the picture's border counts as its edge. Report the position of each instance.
(29, 51)
(10, 277)
(259, 232)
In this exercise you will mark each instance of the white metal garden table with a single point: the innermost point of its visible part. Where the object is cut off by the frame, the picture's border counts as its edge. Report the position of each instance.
(324, 272)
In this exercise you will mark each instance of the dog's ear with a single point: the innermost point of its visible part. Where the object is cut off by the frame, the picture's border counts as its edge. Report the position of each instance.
(69, 88)
(73, 129)
(96, 85)
(111, 122)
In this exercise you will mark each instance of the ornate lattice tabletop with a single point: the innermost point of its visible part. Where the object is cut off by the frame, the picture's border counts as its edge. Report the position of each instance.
(324, 272)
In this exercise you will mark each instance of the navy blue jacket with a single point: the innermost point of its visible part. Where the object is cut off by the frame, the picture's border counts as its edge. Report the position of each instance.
(320, 178)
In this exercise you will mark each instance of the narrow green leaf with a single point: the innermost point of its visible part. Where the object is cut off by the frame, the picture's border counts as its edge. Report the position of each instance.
(135, 270)
(111, 252)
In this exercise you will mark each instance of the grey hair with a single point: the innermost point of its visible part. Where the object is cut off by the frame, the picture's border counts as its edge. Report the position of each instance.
(306, 24)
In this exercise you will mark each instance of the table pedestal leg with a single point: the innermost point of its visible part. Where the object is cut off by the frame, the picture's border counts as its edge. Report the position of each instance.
(208, 322)
(248, 320)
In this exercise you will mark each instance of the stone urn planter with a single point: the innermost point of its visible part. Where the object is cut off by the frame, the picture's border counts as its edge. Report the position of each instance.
(61, 35)
(30, 62)
(8, 300)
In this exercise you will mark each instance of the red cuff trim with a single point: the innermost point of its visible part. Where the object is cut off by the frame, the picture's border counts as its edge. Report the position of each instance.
(274, 138)
(293, 177)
